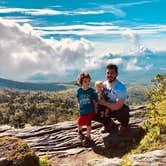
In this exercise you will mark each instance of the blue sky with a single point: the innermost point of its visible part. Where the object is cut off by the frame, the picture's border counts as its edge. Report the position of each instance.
(50, 39)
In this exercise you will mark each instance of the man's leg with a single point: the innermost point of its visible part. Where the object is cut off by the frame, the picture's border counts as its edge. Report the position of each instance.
(122, 115)
(106, 121)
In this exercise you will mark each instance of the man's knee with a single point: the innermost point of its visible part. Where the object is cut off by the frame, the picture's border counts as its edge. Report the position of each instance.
(123, 115)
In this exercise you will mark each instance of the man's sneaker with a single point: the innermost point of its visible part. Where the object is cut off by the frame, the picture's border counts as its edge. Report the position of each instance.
(108, 126)
(86, 141)
(81, 135)
(123, 130)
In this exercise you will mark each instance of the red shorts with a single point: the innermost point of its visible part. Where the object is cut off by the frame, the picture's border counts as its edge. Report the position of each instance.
(85, 119)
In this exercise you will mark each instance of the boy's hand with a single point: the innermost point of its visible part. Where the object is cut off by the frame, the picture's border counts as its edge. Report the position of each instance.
(96, 111)
(100, 97)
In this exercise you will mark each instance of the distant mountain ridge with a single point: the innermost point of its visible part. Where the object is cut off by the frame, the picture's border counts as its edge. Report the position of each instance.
(5, 83)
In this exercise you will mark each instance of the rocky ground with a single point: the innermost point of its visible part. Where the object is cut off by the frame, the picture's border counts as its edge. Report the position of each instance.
(60, 143)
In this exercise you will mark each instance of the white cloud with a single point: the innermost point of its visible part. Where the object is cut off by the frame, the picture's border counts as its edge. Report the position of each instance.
(31, 11)
(92, 29)
(116, 61)
(81, 30)
(132, 36)
(114, 10)
(11, 10)
(47, 11)
(148, 66)
(18, 19)
(23, 52)
(38, 12)
(131, 65)
(139, 48)
(133, 3)
(86, 12)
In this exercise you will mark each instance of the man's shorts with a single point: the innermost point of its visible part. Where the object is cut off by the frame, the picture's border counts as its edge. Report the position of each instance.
(85, 119)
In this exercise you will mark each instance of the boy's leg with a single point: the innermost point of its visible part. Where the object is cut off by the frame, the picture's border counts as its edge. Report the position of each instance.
(107, 112)
(79, 128)
(87, 139)
(101, 114)
(80, 134)
(88, 131)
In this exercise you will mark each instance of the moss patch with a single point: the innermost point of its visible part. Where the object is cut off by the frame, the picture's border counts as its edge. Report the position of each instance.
(17, 152)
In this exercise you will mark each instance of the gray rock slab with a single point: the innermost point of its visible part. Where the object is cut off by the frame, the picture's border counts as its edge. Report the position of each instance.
(153, 158)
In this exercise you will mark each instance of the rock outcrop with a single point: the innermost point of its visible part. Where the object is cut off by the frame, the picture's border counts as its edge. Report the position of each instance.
(60, 140)
(153, 158)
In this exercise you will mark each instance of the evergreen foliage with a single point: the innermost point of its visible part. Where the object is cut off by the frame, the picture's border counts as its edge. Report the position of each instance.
(19, 108)
(155, 126)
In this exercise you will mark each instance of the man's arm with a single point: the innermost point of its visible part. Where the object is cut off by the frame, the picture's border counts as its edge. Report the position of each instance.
(113, 106)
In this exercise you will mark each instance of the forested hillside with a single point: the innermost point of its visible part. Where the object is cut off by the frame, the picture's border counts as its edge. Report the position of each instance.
(5, 83)
(20, 108)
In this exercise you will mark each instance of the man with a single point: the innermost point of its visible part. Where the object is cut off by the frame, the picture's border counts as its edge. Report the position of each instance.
(116, 94)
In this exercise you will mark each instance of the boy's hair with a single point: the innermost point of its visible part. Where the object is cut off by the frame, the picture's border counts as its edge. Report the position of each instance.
(81, 76)
(112, 66)
(98, 83)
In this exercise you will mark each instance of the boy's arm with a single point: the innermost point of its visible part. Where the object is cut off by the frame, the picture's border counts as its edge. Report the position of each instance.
(78, 103)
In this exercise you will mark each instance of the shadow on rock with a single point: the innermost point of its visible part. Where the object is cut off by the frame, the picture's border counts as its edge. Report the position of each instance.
(115, 145)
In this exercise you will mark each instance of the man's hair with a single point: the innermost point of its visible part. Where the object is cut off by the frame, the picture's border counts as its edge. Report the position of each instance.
(112, 66)
(81, 76)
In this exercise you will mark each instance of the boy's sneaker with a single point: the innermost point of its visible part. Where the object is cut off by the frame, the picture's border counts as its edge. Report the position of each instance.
(80, 135)
(86, 141)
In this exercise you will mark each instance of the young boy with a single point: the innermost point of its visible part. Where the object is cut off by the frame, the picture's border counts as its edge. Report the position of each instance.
(87, 98)
(102, 110)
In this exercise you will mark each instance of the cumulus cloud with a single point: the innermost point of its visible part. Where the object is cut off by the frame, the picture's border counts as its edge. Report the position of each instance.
(132, 36)
(116, 61)
(131, 65)
(114, 10)
(23, 52)
(128, 64)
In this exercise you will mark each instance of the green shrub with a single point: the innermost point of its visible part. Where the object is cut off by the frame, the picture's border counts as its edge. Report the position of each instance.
(45, 161)
(155, 126)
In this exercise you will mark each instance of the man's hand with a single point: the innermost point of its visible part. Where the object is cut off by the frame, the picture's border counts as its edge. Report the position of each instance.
(113, 106)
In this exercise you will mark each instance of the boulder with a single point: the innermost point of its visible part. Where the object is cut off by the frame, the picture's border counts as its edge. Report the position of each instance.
(16, 152)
